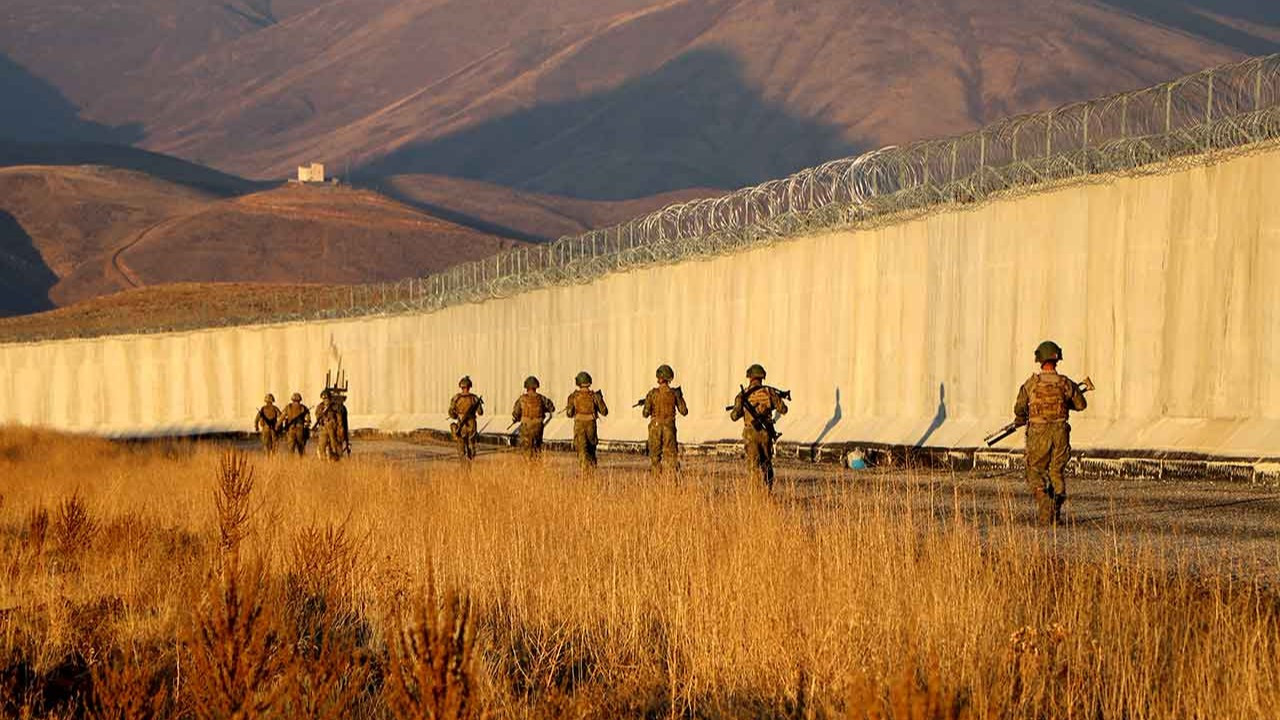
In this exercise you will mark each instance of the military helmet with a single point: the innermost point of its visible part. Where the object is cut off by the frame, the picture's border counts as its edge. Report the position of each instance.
(325, 393)
(1048, 351)
(269, 398)
(666, 373)
(582, 378)
(531, 383)
(756, 372)
(465, 381)
(296, 397)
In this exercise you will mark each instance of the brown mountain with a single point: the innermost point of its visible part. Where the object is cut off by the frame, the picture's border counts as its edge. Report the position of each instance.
(521, 214)
(69, 233)
(604, 99)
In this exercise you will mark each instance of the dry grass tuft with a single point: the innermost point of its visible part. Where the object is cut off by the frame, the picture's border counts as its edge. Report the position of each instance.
(431, 671)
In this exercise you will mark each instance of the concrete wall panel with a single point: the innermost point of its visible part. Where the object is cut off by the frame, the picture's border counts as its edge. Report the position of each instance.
(1160, 287)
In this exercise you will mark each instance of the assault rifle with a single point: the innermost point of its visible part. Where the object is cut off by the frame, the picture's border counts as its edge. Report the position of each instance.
(1085, 386)
(286, 427)
(456, 426)
(761, 422)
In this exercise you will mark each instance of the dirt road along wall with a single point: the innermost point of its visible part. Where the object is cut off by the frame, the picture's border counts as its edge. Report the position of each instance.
(1164, 288)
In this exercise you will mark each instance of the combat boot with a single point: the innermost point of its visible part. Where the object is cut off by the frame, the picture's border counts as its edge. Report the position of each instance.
(1046, 509)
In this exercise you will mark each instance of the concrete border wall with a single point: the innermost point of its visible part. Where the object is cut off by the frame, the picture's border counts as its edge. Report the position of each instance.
(1161, 287)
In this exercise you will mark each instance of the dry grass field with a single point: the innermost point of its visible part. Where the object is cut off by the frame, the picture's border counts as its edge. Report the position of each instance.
(184, 580)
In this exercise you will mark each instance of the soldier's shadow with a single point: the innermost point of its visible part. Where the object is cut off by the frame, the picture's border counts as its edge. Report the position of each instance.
(837, 414)
(939, 417)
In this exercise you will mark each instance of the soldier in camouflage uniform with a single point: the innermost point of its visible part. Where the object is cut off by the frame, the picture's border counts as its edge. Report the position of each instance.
(532, 411)
(585, 406)
(267, 423)
(331, 422)
(1043, 405)
(296, 425)
(756, 440)
(464, 408)
(661, 405)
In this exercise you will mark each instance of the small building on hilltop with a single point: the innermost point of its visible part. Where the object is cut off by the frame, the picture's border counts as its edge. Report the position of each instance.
(312, 173)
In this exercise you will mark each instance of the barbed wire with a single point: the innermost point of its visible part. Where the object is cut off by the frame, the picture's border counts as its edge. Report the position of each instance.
(1229, 106)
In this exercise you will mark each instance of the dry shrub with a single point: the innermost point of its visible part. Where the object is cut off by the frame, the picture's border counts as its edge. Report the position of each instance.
(37, 530)
(330, 637)
(237, 661)
(914, 692)
(318, 596)
(432, 665)
(323, 561)
(125, 689)
(74, 527)
(232, 499)
(332, 679)
(29, 555)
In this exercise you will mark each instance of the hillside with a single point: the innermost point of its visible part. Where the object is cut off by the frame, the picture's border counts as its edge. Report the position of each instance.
(68, 221)
(521, 214)
(602, 99)
(70, 233)
(307, 235)
(166, 306)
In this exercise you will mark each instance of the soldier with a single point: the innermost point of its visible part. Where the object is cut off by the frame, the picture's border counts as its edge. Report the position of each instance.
(322, 413)
(585, 406)
(532, 412)
(266, 423)
(331, 421)
(755, 406)
(296, 425)
(1043, 404)
(661, 405)
(464, 408)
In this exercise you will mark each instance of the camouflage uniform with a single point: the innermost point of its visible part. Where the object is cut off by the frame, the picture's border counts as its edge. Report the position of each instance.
(661, 405)
(267, 424)
(756, 442)
(585, 406)
(1043, 405)
(331, 421)
(296, 425)
(464, 408)
(531, 411)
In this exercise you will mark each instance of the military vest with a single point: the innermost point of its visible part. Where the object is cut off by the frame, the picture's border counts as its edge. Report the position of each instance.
(663, 404)
(583, 403)
(761, 399)
(1048, 395)
(292, 411)
(270, 413)
(532, 407)
(462, 404)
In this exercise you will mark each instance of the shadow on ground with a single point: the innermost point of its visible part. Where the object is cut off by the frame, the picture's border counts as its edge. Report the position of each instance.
(36, 111)
(25, 279)
(39, 126)
(1192, 16)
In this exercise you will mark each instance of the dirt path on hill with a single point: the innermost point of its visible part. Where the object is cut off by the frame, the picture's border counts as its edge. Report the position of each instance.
(117, 260)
